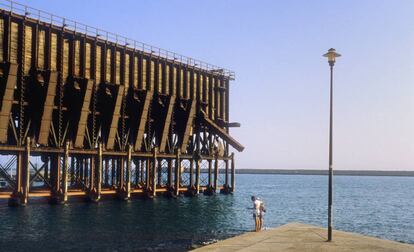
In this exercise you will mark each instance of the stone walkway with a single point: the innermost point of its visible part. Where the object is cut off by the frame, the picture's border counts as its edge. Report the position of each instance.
(302, 237)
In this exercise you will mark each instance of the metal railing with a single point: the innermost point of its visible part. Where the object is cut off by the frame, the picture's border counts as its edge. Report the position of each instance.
(120, 40)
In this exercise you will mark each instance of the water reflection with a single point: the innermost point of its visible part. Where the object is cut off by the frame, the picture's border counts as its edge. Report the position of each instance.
(370, 205)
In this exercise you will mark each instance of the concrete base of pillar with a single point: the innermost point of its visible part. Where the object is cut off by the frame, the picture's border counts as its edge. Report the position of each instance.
(148, 195)
(123, 195)
(56, 200)
(226, 189)
(16, 201)
(191, 192)
(93, 197)
(170, 193)
(209, 191)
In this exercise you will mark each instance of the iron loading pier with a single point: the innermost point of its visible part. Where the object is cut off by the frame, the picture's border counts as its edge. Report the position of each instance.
(87, 113)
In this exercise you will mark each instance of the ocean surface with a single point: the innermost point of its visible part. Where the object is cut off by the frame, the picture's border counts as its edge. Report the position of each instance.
(375, 206)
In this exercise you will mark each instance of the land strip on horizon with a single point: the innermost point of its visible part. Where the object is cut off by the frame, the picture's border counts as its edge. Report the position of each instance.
(325, 172)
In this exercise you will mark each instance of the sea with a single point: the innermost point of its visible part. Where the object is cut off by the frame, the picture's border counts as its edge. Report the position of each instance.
(376, 206)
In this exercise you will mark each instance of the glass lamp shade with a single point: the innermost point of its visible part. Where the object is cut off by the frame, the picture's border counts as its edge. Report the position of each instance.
(331, 55)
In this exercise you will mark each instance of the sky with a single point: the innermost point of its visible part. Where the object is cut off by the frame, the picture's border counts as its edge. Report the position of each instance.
(281, 92)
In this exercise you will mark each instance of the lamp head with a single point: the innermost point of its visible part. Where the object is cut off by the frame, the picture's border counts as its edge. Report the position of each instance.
(331, 55)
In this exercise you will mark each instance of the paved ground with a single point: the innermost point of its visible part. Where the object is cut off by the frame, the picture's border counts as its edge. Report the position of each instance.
(301, 237)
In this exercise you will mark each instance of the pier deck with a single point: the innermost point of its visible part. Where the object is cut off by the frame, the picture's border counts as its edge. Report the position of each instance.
(294, 237)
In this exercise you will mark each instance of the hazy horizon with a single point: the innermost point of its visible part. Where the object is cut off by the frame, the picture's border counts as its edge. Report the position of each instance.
(280, 95)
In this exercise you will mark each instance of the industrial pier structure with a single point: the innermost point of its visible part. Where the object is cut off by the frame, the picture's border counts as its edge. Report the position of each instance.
(88, 113)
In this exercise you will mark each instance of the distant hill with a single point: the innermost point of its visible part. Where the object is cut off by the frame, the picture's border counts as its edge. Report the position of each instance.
(325, 172)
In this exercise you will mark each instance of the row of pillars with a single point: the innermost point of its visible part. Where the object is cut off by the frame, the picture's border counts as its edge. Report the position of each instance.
(92, 182)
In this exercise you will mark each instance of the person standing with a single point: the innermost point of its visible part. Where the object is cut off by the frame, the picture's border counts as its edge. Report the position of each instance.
(257, 213)
(262, 211)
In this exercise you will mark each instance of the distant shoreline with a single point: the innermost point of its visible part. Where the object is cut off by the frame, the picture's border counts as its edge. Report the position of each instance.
(325, 172)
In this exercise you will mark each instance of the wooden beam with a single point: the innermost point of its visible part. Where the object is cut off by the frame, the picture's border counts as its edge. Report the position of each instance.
(83, 119)
(188, 126)
(222, 133)
(143, 120)
(167, 123)
(115, 118)
(7, 101)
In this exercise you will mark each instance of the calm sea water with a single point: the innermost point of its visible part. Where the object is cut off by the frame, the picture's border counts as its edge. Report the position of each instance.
(376, 206)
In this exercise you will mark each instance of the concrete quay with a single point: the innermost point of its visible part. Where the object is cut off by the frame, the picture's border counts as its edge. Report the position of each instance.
(294, 237)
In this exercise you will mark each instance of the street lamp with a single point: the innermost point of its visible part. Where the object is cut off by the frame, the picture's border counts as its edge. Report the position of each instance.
(331, 55)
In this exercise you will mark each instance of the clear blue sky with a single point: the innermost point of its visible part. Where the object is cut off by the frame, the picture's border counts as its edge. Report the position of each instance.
(280, 94)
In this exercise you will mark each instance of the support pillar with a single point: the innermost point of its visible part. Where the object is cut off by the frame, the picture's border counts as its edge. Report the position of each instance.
(128, 173)
(191, 174)
(177, 172)
(148, 175)
(226, 187)
(72, 170)
(233, 174)
(121, 177)
(85, 173)
(64, 196)
(106, 179)
(159, 173)
(113, 174)
(81, 169)
(226, 178)
(197, 162)
(210, 189)
(26, 174)
(216, 174)
(78, 170)
(141, 178)
(170, 173)
(99, 173)
(55, 179)
(47, 167)
(154, 172)
(210, 173)
(92, 161)
(17, 193)
(137, 164)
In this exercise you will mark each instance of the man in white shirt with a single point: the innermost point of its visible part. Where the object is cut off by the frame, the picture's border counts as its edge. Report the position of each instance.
(257, 213)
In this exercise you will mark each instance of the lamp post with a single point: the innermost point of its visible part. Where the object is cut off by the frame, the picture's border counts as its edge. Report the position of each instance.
(331, 55)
